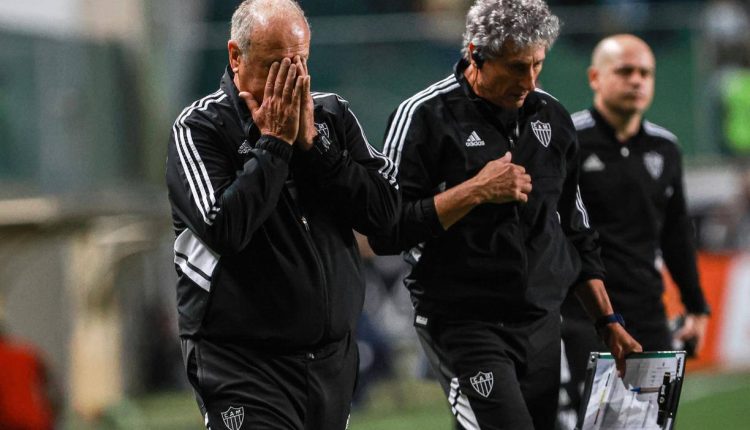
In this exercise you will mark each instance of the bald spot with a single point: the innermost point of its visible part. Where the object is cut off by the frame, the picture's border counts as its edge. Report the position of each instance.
(274, 18)
(610, 49)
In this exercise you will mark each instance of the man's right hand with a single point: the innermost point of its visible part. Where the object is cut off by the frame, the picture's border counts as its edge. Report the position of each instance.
(501, 181)
(620, 344)
(278, 114)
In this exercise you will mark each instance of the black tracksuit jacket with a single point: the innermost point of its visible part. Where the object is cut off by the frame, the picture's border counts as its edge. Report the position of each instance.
(636, 202)
(265, 251)
(500, 261)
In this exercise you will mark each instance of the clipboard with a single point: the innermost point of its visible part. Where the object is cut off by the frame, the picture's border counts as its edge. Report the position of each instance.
(646, 399)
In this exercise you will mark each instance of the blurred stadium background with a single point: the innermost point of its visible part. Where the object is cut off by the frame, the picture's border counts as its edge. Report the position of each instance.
(89, 90)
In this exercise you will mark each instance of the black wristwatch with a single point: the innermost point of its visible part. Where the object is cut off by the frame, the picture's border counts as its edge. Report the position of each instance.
(603, 321)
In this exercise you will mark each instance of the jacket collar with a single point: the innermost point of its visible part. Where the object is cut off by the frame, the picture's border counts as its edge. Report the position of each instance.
(609, 131)
(239, 105)
(504, 117)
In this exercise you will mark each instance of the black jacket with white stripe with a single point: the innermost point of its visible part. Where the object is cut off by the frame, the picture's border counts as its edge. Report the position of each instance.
(636, 202)
(265, 251)
(501, 260)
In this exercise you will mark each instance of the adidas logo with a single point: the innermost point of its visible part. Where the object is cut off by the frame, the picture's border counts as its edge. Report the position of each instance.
(474, 140)
(244, 148)
(592, 164)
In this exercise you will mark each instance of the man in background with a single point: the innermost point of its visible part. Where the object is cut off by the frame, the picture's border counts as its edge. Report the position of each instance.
(267, 181)
(632, 184)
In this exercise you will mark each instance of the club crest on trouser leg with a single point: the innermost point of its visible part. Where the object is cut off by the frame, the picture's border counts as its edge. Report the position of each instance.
(542, 131)
(233, 417)
(482, 383)
(654, 163)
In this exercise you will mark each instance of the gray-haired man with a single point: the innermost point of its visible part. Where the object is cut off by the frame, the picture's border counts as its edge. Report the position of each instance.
(493, 221)
(267, 181)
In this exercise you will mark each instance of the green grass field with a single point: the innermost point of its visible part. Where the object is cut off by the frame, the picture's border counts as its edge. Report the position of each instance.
(709, 401)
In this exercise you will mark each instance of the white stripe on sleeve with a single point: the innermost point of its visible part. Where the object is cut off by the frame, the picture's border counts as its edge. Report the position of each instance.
(582, 208)
(194, 169)
(394, 142)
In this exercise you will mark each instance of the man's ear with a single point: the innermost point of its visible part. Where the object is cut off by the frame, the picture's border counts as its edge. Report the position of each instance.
(593, 74)
(235, 55)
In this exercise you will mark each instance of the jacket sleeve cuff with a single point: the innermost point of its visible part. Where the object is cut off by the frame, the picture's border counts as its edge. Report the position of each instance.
(428, 214)
(698, 309)
(275, 146)
(589, 275)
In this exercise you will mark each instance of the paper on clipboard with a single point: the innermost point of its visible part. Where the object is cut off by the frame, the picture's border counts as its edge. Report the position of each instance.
(646, 399)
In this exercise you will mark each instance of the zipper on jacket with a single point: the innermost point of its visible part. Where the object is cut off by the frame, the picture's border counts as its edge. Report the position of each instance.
(291, 189)
(321, 270)
(513, 136)
(522, 248)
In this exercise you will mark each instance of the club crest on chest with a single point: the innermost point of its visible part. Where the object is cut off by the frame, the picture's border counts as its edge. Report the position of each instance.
(654, 163)
(323, 129)
(542, 131)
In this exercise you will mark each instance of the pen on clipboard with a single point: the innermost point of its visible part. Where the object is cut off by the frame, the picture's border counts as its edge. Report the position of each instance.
(644, 390)
(601, 400)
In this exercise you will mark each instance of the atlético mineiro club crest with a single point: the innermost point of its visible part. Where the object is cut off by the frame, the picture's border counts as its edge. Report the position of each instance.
(323, 129)
(233, 417)
(542, 131)
(654, 163)
(482, 383)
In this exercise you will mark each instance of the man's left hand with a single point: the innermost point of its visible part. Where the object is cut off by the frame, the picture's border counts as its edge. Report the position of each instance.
(620, 344)
(694, 328)
(307, 130)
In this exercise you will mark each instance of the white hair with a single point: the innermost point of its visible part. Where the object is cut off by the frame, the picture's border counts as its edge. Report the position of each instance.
(246, 15)
(491, 24)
